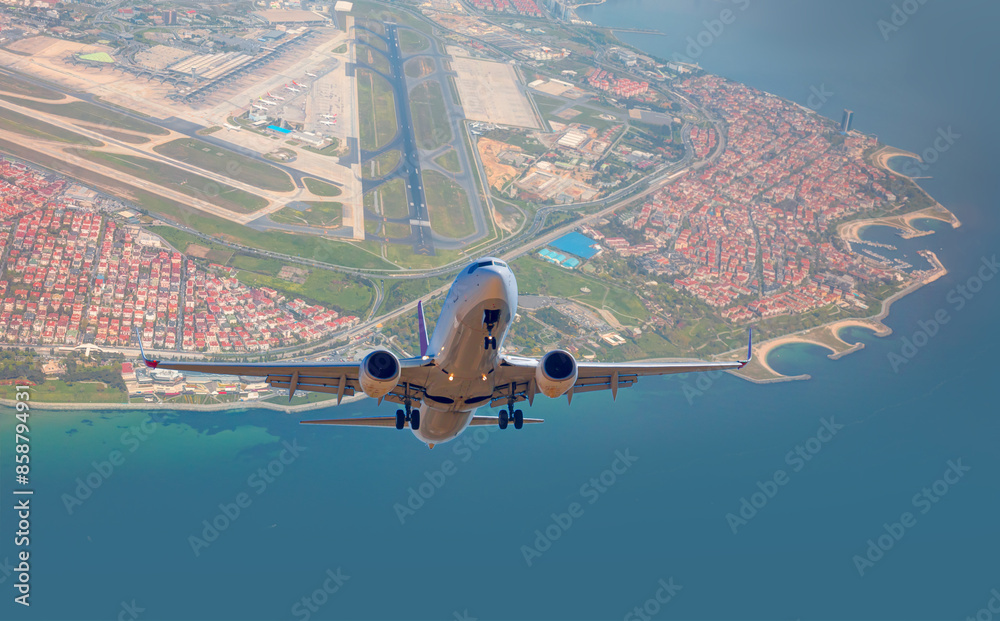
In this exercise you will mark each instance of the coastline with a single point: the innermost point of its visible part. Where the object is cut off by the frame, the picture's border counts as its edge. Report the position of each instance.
(827, 335)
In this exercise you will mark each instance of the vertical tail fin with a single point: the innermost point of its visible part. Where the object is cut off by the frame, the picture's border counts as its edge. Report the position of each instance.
(422, 327)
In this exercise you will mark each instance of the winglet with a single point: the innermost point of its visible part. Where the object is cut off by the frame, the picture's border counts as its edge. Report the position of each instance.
(749, 351)
(422, 327)
(149, 363)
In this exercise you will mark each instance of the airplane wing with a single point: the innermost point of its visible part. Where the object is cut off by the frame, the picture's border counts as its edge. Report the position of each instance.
(339, 378)
(517, 375)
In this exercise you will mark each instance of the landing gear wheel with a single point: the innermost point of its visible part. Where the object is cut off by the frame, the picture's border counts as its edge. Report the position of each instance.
(400, 419)
(493, 342)
(486, 343)
(518, 419)
(503, 419)
(415, 420)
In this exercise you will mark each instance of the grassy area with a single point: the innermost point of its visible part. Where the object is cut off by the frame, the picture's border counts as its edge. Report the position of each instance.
(383, 164)
(268, 267)
(226, 163)
(399, 292)
(340, 49)
(430, 117)
(403, 255)
(346, 295)
(447, 206)
(374, 58)
(449, 161)
(10, 84)
(417, 67)
(58, 391)
(90, 113)
(455, 97)
(540, 277)
(320, 213)
(321, 188)
(179, 180)
(377, 110)
(393, 199)
(411, 42)
(30, 127)
(117, 135)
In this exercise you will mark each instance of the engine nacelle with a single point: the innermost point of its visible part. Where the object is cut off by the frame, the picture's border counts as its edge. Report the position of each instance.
(379, 373)
(555, 373)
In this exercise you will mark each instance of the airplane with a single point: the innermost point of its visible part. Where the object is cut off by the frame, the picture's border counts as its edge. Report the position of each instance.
(256, 107)
(297, 84)
(461, 367)
(311, 75)
(289, 88)
(329, 116)
(328, 122)
(278, 97)
(266, 102)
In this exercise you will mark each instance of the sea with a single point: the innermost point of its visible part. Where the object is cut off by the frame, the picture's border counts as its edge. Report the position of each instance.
(870, 491)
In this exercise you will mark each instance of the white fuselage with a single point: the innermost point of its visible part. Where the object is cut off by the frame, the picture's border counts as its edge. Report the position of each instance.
(462, 378)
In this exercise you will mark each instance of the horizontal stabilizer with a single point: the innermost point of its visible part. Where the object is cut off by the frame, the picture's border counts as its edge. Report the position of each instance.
(373, 421)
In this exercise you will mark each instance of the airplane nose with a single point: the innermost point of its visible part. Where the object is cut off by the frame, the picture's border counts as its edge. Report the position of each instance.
(492, 284)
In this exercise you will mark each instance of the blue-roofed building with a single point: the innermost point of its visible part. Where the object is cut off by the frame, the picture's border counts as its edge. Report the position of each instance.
(577, 244)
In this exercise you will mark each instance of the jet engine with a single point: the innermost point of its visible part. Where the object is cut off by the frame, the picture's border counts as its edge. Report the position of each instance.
(555, 373)
(379, 373)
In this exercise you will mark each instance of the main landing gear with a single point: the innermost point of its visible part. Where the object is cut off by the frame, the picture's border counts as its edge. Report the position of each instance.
(407, 415)
(506, 416)
(510, 413)
(413, 417)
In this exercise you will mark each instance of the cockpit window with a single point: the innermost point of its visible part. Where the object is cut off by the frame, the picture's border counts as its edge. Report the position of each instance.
(476, 266)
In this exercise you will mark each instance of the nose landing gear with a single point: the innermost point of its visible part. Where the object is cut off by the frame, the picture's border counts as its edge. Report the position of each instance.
(490, 318)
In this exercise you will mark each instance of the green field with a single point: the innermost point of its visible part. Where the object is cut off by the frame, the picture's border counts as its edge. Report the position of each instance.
(321, 188)
(226, 163)
(179, 180)
(449, 161)
(10, 84)
(430, 117)
(323, 214)
(393, 197)
(90, 113)
(18, 123)
(383, 164)
(417, 67)
(411, 42)
(447, 206)
(346, 295)
(376, 109)
(536, 276)
(373, 58)
(122, 136)
(269, 267)
(58, 391)
(402, 254)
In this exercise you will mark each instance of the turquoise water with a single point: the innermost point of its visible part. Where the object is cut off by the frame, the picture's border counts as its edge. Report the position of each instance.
(701, 445)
